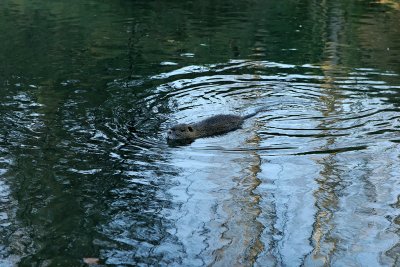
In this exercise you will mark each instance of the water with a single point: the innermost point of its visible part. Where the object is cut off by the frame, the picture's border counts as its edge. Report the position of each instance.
(88, 89)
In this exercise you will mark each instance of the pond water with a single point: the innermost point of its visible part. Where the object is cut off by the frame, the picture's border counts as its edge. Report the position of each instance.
(88, 89)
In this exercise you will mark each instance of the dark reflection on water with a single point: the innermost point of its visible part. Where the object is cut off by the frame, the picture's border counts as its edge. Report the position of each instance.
(88, 89)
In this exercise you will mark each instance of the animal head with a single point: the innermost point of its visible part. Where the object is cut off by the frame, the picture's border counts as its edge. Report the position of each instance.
(181, 131)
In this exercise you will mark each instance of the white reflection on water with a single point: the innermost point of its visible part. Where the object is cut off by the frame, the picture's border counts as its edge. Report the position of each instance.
(218, 211)
(311, 181)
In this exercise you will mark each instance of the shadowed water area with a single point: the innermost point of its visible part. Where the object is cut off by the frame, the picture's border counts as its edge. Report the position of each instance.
(89, 88)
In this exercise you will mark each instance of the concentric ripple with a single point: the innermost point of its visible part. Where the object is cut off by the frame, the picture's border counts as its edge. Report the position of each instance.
(89, 88)
(277, 191)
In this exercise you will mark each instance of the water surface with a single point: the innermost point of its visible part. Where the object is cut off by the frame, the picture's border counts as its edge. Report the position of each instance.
(88, 89)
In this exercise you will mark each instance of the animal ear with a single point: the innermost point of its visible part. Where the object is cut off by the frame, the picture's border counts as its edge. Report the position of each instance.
(190, 129)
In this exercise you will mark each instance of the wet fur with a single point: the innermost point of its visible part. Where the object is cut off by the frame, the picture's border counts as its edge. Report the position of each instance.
(215, 125)
(218, 124)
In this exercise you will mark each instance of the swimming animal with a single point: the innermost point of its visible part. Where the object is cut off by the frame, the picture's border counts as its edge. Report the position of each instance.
(214, 125)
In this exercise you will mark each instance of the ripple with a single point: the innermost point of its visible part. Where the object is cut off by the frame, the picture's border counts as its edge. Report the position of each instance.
(86, 171)
(310, 120)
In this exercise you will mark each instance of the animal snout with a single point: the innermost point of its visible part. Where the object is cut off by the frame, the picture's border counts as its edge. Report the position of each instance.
(170, 134)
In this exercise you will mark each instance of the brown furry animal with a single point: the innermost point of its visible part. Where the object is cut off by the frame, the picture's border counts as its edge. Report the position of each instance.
(214, 125)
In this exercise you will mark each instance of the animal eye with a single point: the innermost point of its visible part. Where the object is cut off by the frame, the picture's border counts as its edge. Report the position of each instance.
(190, 129)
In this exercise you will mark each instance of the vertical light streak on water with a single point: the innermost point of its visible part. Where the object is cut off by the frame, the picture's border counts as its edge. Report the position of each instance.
(218, 209)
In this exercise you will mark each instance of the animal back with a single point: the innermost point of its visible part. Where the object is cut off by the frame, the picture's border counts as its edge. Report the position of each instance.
(219, 124)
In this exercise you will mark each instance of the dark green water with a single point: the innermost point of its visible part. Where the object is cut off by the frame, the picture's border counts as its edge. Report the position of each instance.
(314, 181)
